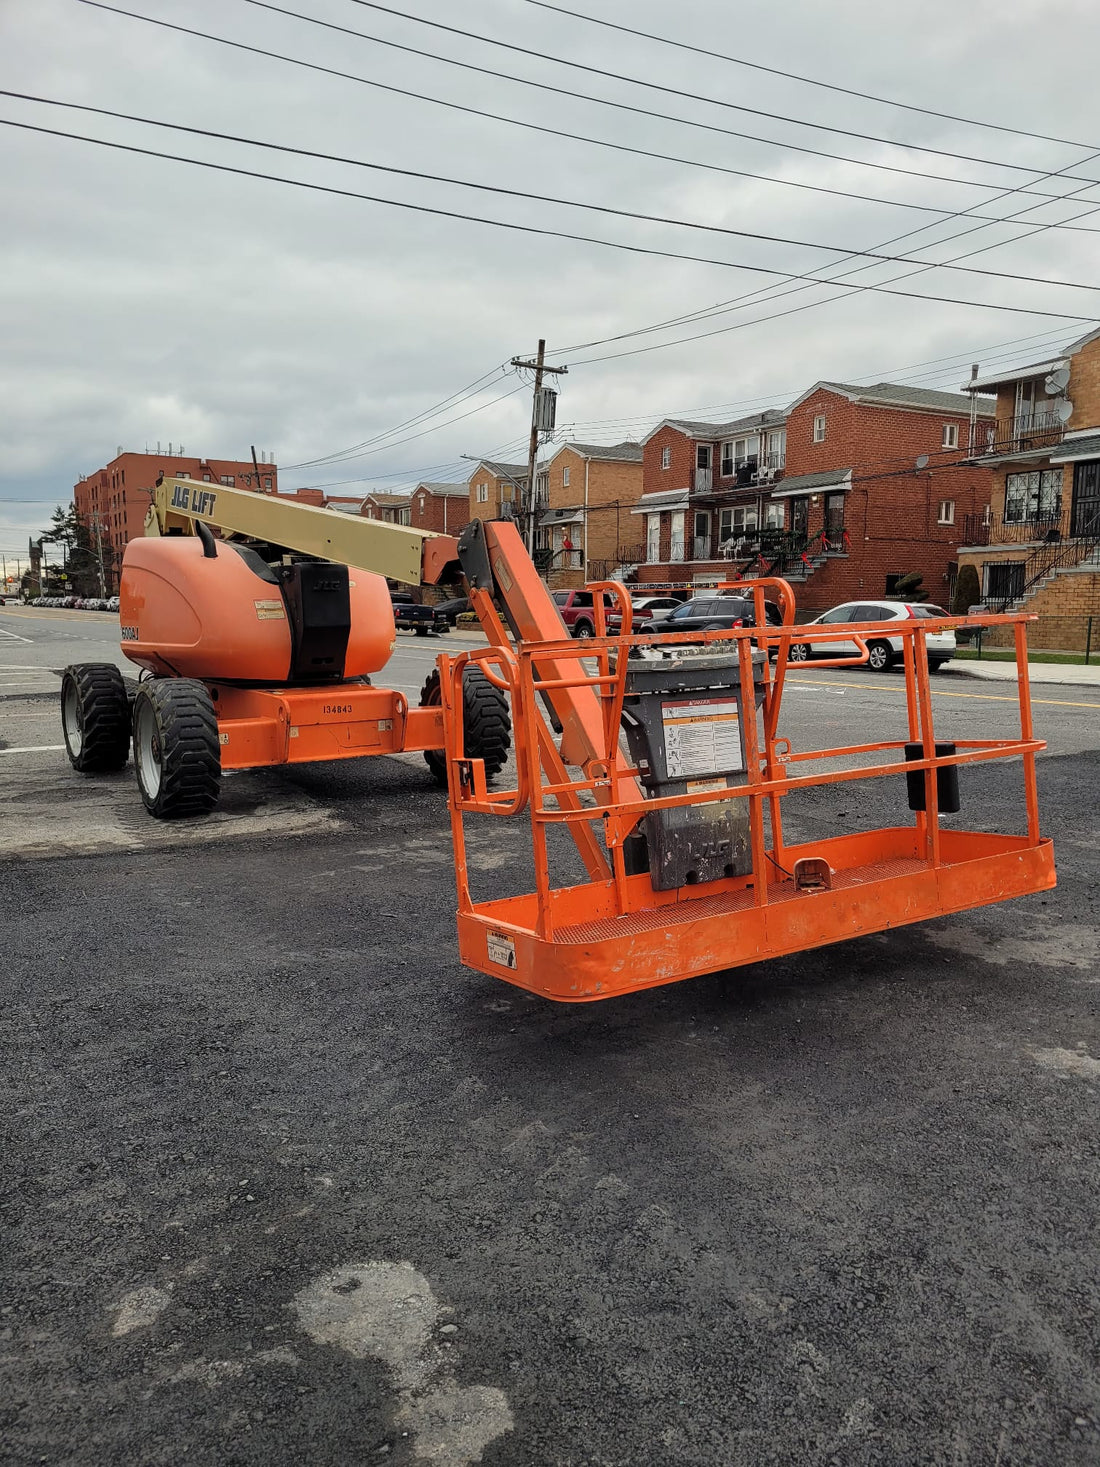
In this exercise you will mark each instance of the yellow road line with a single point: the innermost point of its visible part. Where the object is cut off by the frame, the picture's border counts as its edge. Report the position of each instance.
(942, 693)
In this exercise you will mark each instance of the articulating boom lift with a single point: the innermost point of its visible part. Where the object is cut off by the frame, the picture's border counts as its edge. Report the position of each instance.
(659, 754)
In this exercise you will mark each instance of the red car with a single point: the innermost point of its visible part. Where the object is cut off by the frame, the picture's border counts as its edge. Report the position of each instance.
(578, 611)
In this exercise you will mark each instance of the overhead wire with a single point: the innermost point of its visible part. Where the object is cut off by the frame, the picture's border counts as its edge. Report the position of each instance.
(522, 81)
(636, 81)
(698, 225)
(811, 81)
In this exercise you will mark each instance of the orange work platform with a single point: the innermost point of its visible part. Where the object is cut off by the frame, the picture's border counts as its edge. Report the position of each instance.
(617, 932)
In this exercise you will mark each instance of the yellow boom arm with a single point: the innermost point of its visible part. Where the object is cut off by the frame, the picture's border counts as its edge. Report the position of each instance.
(396, 551)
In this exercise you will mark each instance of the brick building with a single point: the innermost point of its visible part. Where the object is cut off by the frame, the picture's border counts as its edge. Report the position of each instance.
(395, 509)
(1036, 543)
(441, 507)
(705, 486)
(828, 493)
(112, 502)
(493, 485)
(590, 492)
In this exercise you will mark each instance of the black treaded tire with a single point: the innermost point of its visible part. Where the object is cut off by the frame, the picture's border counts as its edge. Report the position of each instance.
(485, 721)
(583, 629)
(177, 753)
(95, 717)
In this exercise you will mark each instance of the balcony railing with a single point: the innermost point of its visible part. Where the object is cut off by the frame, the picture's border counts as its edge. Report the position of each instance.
(703, 481)
(994, 530)
(759, 469)
(1026, 432)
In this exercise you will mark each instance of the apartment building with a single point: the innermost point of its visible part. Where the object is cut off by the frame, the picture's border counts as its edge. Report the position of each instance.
(590, 491)
(1036, 542)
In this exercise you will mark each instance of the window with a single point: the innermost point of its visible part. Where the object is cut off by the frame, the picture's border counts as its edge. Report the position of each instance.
(727, 460)
(841, 613)
(507, 491)
(950, 436)
(652, 537)
(483, 494)
(819, 428)
(561, 598)
(267, 482)
(1004, 580)
(773, 515)
(206, 479)
(565, 477)
(702, 455)
(947, 512)
(1034, 497)
(666, 458)
(226, 479)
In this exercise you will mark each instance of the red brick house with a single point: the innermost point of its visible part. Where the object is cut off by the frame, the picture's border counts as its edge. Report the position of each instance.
(705, 487)
(849, 489)
(877, 486)
(441, 507)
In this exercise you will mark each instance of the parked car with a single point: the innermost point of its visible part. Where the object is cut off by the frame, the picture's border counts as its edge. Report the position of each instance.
(882, 651)
(649, 611)
(578, 610)
(453, 608)
(714, 612)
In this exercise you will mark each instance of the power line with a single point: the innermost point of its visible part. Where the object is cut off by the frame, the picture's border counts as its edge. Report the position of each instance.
(461, 395)
(690, 96)
(809, 81)
(522, 81)
(754, 235)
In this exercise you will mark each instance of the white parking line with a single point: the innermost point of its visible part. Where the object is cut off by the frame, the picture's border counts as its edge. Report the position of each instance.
(35, 749)
(12, 637)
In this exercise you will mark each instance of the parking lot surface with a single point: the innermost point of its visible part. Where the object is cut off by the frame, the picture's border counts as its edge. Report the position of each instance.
(284, 1183)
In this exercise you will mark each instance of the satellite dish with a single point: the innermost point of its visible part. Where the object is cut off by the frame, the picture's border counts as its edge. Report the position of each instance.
(922, 462)
(1063, 410)
(1056, 381)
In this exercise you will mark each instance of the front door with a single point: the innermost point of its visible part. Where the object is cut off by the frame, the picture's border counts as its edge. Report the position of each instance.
(1086, 501)
(701, 547)
(800, 517)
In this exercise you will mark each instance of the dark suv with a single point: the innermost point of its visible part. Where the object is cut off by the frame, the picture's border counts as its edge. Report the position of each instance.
(715, 612)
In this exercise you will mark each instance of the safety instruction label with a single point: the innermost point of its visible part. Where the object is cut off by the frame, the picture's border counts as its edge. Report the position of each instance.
(269, 611)
(702, 736)
(501, 949)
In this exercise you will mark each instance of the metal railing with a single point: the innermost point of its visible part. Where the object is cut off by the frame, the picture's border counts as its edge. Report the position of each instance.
(1047, 560)
(1035, 430)
(982, 529)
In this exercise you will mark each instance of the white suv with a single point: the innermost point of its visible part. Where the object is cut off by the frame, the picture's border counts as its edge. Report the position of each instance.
(882, 651)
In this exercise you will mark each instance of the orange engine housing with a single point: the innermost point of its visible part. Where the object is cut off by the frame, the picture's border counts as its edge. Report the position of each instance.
(216, 619)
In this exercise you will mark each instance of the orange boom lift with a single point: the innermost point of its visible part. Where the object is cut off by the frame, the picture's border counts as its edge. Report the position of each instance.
(658, 758)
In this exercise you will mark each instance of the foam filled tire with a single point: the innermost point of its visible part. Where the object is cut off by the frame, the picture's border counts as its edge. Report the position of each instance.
(177, 753)
(485, 722)
(880, 656)
(95, 717)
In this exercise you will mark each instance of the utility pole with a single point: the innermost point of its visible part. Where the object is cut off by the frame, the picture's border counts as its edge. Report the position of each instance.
(540, 422)
(97, 525)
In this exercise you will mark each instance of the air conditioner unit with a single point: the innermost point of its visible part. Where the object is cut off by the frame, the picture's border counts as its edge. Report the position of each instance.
(765, 476)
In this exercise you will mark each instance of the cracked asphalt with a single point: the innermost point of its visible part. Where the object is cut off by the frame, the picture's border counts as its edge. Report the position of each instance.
(283, 1183)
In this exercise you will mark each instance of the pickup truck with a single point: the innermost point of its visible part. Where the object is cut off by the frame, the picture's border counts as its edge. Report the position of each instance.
(578, 612)
(411, 616)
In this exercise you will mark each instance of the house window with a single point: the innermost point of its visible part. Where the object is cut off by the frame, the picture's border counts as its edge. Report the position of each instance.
(666, 457)
(507, 491)
(565, 477)
(206, 479)
(226, 479)
(727, 460)
(947, 512)
(483, 494)
(777, 449)
(819, 428)
(267, 482)
(653, 536)
(773, 515)
(1033, 497)
(950, 435)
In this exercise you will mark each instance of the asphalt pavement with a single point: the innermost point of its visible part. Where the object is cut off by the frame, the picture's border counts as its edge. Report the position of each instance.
(283, 1183)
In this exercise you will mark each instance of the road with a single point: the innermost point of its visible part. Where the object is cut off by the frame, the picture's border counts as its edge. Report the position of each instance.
(284, 1183)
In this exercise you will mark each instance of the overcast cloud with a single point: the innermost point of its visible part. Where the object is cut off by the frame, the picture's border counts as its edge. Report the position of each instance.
(145, 300)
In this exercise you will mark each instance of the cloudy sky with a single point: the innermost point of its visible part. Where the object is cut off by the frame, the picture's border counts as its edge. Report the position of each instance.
(145, 299)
